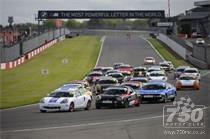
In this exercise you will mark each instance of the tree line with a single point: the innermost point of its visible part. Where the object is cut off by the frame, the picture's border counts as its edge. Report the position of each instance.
(99, 23)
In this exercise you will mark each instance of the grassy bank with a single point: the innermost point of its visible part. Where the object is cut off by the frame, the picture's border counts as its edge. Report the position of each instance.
(69, 60)
(168, 54)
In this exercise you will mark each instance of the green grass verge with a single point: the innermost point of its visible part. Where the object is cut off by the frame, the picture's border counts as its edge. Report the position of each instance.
(168, 54)
(26, 84)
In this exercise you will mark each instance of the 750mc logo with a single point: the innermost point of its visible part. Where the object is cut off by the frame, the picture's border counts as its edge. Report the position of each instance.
(183, 114)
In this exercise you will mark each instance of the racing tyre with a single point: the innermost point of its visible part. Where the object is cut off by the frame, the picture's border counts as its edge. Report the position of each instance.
(43, 111)
(164, 99)
(71, 107)
(173, 99)
(98, 107)
(126, 104)
(88, 105)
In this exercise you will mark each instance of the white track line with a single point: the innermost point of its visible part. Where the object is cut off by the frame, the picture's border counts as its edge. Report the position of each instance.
(19, 107)
(102, 44)
(88, 124)
(153, 47)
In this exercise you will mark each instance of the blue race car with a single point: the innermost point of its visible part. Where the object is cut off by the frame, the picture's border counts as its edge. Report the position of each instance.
(158, 91)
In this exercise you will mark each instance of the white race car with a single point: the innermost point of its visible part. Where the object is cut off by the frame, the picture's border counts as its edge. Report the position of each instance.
(153, 68)
(187, 81)
(65, 101)
(193, 71)
(157, 75)
(149, 60)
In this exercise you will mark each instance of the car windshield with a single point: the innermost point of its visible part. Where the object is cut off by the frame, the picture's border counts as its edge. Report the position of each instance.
(116, 91)
(150, 70)
(164, 65)
(95, 74)
(68, 86)
(187, 78)
(116, 75)
(134, 86)
(154, 87)
(136, 70)
(156, 74)
(107, 82)
(61, 94)
(190, 71)
(180, 70)
(139, 80)
(149, 58)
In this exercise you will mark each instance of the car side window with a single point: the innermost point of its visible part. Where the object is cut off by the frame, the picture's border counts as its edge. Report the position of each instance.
(77, 94)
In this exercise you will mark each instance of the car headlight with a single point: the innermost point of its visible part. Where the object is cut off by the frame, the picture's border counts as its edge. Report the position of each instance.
(164, 78)
(98, 97)
(41, 101)
(119, 99)
(64, 101)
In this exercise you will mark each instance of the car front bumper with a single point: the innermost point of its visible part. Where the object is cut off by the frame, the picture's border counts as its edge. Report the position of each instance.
(152, 97)
(53, 107)
(111, 104)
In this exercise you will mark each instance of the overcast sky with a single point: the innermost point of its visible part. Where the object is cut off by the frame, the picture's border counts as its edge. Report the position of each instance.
(25, 10)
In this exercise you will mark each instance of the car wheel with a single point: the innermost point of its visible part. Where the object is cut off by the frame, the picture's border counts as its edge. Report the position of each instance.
(173, 99)
(88, 105)
(165, 99)
(43, 111)
(137, 102)
(126, 104)
(71, 107)
(98, 107)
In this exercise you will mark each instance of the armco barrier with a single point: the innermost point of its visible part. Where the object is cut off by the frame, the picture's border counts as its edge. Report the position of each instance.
(28, 56)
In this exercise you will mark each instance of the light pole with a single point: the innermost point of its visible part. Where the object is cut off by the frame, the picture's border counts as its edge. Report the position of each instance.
(169, 8)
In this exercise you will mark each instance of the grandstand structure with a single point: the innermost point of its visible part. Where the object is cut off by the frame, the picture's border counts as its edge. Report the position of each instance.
(198, 18)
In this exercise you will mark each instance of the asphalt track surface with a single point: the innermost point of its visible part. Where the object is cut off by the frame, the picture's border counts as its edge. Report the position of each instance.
(143, 122)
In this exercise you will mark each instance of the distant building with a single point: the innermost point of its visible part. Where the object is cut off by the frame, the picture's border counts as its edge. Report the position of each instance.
(197, 18)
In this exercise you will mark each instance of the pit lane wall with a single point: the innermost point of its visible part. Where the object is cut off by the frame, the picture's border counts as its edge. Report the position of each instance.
(173, 45)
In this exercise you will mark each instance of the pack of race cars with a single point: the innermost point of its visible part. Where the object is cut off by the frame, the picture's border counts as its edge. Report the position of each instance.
(122, 86)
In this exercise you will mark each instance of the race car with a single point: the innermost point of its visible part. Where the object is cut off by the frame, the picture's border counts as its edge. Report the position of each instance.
(65, 101)
(112, 71)
(125, 67)
(116, 65)
(118, 76)
(135, 85)
(179, 70)
(157, 75)
(166, 66)
(118, 96)
(82, 82)
(93, 76)
(99, 69)
(192, 71)
(139, 71)
(105, 69)
(158, 91)
(153, 68)
(104, 82)
(126, 73)
(187, 81)
(142, 80)
(149, 60)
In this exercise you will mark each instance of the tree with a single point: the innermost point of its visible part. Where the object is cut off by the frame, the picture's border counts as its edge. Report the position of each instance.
(49, 23)
(71, 23)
